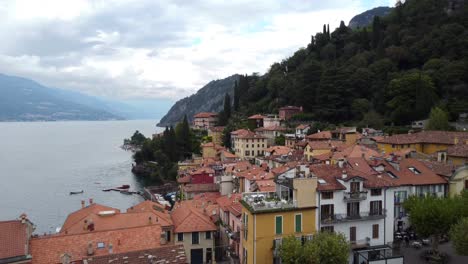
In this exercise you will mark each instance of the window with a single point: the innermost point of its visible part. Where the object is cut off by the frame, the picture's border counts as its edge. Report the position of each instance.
(258, 145)
(101, 245)
(180, 237)
(352, 234)
(327, 195)
(278, 224)
(439, 188)
(393, 145)
(195, 238)
(353, 209)
(168, 236)
(245, 256)
(246, 221)
(247, 153)
(327, 229)
(327, 211)
(375, 231)
(208, 235)
(355, 187)
(376, 192)
(376, 207)
(298, 223)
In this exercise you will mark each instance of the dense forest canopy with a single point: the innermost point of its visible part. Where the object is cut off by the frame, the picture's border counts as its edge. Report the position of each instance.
(397, 69)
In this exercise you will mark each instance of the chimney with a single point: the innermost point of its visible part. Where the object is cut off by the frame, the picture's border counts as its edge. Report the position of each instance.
(82, 204)
(110, 249)
(90, 249)
(90, 201)
(344, 175)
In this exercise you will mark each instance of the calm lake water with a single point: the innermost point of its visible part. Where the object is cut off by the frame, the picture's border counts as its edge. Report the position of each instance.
(41, 162)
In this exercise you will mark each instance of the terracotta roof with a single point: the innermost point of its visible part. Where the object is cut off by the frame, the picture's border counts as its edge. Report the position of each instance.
(81, 214)
(442, 169)
(250, 135)
(257, 116)
(325, 144)
(188, 218)
(402, 152)
(345, 130)
(184, 179)
(327, 173)
(229, 155)
(278, 150)
(239, 132)
(238, 167)
(236, 209)
(280, 170)
(356, 151)
(156, 208)
(13, 239)
(266, 185)
(458, 151)
(48, 249)
(255, 173)
(436, 137)
(302, 126)
(203, 170)
(323, 135)
(166, 254)
(217, 129)
(226, 201)
(205, 115)
(202, 187)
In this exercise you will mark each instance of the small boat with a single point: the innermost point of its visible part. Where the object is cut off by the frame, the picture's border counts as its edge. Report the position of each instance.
(107, 190)
(125, 186)
(71, 193)
(126, 192)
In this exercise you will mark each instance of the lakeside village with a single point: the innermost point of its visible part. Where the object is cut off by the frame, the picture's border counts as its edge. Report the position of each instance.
(243, 204)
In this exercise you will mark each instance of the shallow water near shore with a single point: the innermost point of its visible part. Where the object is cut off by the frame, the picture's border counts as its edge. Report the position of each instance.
(42, 162)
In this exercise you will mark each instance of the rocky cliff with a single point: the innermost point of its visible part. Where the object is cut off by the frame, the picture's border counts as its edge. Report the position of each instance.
(365, 19)
(208, 99)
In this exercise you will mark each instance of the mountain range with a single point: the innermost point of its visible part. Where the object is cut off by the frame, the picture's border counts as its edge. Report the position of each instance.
(27, 100)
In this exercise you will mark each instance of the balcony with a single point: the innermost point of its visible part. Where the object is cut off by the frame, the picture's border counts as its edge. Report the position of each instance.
(361, 216)
(266, 201)
(361, 243)
(355, 196)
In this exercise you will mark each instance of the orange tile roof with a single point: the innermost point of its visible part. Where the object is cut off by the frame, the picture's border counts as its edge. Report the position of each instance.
(257, 116)
(236, 209)
(184, 179)
(323, 135)
(217, 129)
(356, 151)
(255, 173)
(166, 254)
(81, 214)
(278, 150)
(325, 144)
(156, 208)
(205, 115)
(238, 166)
(13, 238)
(442, 169)
(250, 135)
(188, 218)
(48, 249)
(435, 137)
(225, 201)
(302, 126)
(229, 155)
(239, 132)
(266, 185)
(458, 151)
(202, 187)
(202, 170)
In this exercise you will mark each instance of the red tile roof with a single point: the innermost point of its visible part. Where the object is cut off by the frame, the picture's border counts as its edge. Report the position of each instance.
(257, 116)
(156, 208)
(278, 150)
(325, 144)
(255, 173)
(188, 218)
(48, 249)
(228, 155)
(323, 135)
(302, 126)
(217, 129)
(239, 132)
(435, 137)
(13, 239)
(442, 169)
(266, 185)
(205, 115)
(184, 179)
(356, 151)
(166, 254)
(81, 214)
(226, 201)
(250, 135)
(458, 151)
(203, 170)
(202, 187)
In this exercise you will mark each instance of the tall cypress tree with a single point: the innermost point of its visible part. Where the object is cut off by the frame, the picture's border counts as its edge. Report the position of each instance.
(376, 32)
(227, 106)
(236, 97)
(184, 140)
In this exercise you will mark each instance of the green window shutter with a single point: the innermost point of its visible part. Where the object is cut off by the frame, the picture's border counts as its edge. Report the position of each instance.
(298, 223)
(279, 225)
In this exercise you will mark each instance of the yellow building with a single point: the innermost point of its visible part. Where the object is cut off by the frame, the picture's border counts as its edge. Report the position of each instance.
(267, 218)
(349, 135)
(458, 181)
(316, 148)
(211, 150)
(427, 142)
(216, 134)
(250, 145)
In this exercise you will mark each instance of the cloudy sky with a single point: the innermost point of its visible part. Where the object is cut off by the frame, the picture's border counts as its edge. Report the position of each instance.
(157, 49)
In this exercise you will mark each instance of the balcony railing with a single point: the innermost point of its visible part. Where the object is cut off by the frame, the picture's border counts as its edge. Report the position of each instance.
(262, 201)
(355, 196)
(360, 243)
(361, 216)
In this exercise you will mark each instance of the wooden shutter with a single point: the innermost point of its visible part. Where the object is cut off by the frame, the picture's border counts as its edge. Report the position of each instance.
(375, 231)
(298, 223)
(278, 225)
(352, 233)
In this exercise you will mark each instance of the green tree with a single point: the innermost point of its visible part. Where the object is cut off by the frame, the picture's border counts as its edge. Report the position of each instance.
(459, 236)
(137, 138)
(438, 120)
(236, 97)
(324, 248)
(372, 119)
(280, 140)
(433, 216)
(184, 139)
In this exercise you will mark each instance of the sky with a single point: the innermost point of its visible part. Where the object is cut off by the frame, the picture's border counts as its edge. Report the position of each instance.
(157, 49)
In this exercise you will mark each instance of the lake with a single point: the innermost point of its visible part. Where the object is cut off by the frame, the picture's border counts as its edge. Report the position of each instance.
(41, 162)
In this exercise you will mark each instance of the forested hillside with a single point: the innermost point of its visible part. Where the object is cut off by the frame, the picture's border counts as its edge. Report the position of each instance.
(395, 70)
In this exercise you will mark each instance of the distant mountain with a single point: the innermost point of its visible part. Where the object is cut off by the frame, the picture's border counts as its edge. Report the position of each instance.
(22, 99)
(365, 19)
(208, 99)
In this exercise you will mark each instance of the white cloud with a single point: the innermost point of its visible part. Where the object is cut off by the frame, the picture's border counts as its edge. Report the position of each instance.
(147, 48)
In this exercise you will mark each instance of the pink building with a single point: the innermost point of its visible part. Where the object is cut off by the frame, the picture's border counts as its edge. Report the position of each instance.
(205, 120)
(286, 112)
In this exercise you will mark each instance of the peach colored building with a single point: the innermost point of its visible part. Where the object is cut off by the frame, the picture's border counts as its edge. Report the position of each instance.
(205, 120)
